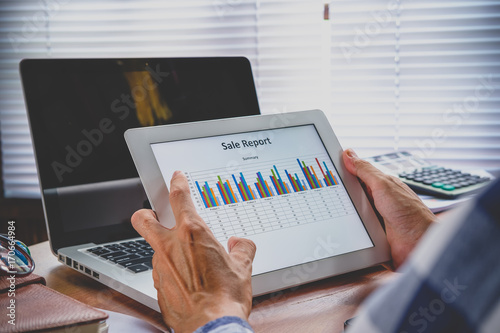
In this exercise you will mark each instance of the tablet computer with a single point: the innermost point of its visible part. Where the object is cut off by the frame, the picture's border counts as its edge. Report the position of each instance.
(278, 180)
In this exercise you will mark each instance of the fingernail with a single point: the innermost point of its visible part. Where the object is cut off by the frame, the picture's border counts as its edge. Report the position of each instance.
(176, 173)
(351, 153)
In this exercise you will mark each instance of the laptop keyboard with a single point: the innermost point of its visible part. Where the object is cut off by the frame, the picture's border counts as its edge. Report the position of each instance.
(135, 256)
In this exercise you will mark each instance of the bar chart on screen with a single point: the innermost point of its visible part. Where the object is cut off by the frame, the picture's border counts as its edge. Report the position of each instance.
(262, 197)
(279, 187)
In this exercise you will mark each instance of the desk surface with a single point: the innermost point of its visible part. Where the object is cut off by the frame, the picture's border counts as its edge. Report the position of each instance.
(321, 306)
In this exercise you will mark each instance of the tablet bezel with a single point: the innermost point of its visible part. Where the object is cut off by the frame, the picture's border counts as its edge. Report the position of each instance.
(139, 142)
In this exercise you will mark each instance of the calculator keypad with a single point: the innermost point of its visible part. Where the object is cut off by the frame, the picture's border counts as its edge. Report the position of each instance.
(442, 178)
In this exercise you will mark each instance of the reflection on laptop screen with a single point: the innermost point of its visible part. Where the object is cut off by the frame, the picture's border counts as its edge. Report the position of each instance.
(79, 110)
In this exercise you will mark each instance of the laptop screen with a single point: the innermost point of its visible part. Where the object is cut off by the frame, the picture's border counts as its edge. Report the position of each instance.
(78, 111)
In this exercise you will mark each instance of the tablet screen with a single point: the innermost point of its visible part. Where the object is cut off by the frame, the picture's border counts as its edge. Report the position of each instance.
(276, 187)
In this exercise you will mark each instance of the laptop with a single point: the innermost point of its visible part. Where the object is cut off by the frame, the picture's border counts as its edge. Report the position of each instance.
(78, 110)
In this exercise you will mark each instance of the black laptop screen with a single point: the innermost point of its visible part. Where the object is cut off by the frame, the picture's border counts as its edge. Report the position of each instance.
(78, 111)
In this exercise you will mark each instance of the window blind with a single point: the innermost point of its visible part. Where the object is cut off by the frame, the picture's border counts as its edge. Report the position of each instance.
(422, 76)
(100, 29)
(419, 75)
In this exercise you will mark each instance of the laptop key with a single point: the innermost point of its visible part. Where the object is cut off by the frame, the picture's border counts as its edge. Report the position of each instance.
(114, 254)
(146, 253)
(124, 258)
(138, 268)
(101, 252)
(114, 248)
(94, 249)
(130, 245)
(127, 263)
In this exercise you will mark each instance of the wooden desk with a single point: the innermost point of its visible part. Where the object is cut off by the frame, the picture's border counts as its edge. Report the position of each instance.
(322, 306)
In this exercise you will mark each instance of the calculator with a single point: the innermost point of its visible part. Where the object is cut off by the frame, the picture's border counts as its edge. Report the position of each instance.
(426, 178)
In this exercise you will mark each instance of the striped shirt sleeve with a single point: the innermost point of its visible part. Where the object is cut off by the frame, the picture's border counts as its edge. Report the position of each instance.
(226, 324)
(451, 283)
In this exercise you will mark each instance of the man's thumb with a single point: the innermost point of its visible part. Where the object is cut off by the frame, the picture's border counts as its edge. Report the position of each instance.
(241, 249)
(360, 168)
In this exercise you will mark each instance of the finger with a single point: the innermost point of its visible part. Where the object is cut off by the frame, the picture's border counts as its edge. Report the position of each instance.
(366, 172)
(242, 250)
(145, 223)
(180, 199)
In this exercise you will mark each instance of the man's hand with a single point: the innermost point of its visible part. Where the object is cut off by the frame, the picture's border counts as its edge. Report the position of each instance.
(196, 279)
(405, 216)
